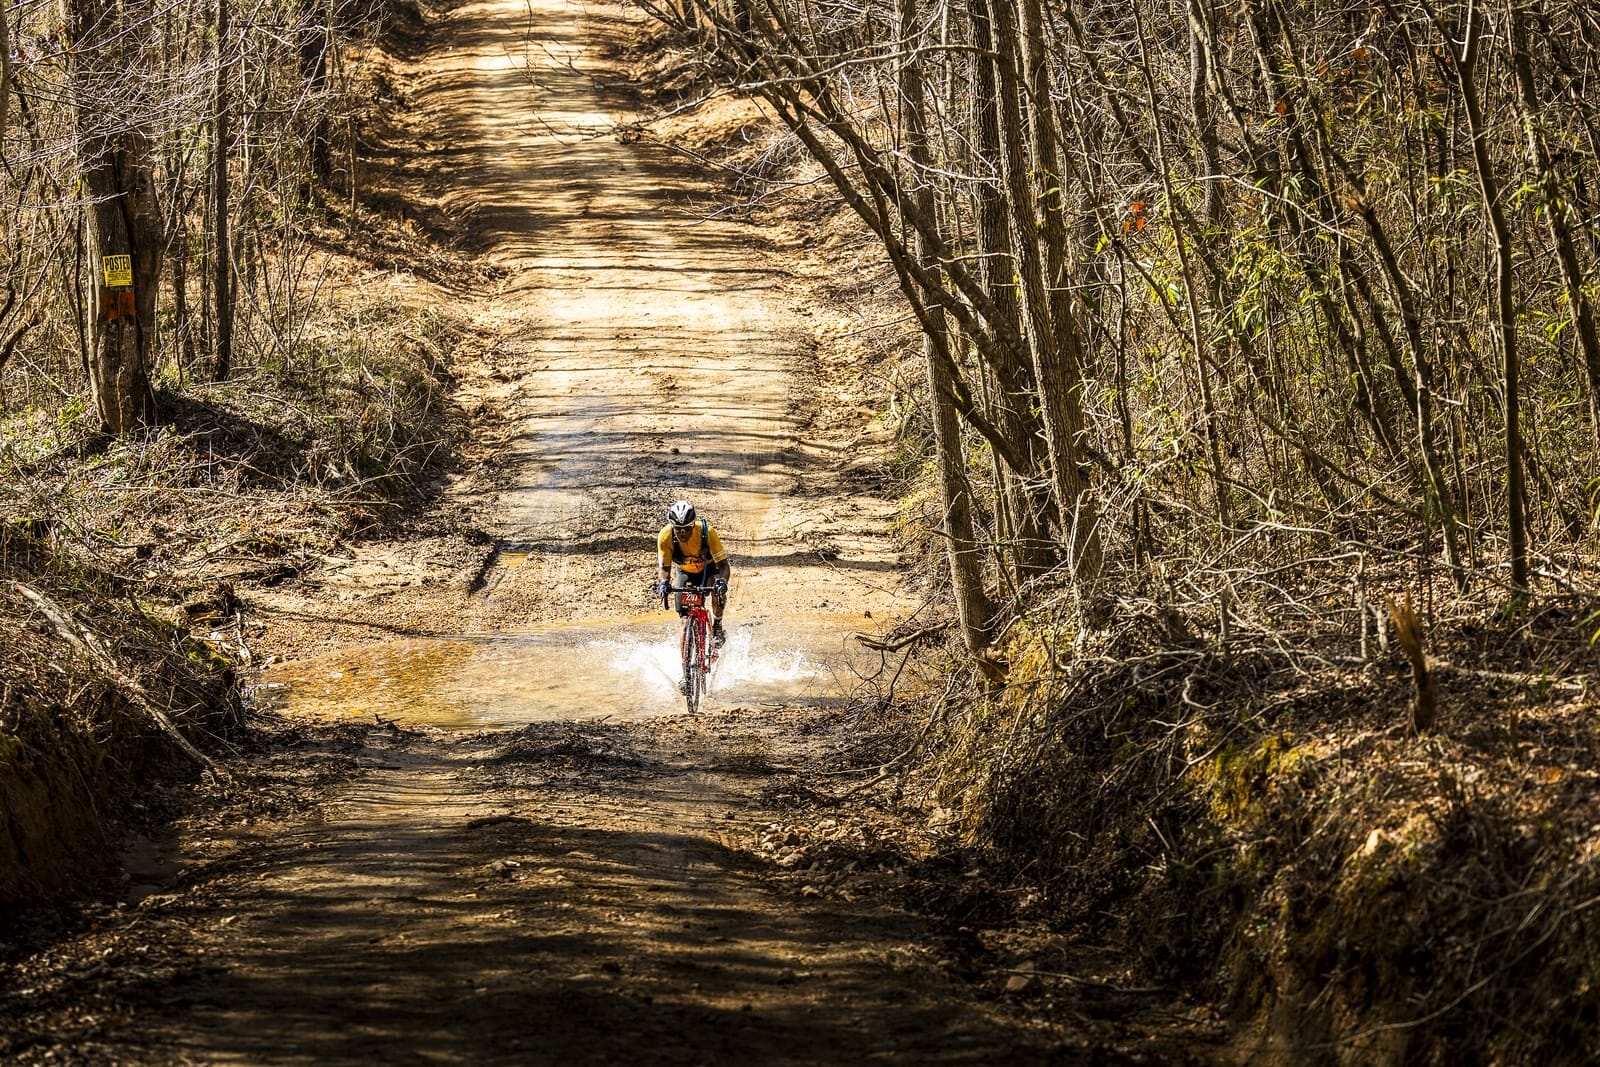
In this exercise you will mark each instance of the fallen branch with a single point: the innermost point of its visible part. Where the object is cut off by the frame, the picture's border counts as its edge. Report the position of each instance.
(879, 644)
(85, 642)
(1092, 983)
(1440, 666)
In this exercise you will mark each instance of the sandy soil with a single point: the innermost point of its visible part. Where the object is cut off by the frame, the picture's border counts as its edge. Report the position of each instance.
(536, 858)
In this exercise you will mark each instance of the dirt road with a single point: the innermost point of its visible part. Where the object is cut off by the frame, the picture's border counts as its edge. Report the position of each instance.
(646, 351)
(574, 886)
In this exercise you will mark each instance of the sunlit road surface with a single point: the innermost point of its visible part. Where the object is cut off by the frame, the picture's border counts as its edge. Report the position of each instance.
(648, 351)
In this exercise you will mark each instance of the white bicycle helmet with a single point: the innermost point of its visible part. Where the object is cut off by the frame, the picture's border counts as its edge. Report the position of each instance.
(681, 514)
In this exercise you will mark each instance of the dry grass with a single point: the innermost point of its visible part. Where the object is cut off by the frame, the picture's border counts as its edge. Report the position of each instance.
(246, 478)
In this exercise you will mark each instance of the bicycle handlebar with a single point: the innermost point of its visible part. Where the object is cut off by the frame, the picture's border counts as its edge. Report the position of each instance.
(703, 590)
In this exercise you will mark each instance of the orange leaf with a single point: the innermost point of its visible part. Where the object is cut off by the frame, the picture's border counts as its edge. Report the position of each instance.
(1139, 224)
(1283, 107)
(1136, 207)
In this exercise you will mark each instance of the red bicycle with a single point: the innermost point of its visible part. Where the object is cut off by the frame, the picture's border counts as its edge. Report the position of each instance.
(698, 648)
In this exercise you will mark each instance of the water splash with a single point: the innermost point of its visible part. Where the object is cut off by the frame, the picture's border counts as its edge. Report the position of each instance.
(744, 664)
(654, 665)
(743, 669)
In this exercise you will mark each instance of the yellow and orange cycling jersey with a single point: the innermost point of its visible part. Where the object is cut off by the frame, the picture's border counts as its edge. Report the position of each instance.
(689, 555)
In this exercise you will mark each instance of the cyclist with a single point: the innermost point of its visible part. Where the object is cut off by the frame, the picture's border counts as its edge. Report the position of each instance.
(691, 554)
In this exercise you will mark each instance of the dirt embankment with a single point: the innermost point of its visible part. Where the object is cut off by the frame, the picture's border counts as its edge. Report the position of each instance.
(87, 733)
(1261, 821)
(124, 568)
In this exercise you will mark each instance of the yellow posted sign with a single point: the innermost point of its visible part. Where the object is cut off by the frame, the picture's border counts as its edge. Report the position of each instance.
(118, 271)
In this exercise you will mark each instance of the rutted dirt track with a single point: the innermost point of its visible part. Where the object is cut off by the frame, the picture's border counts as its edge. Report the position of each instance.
(562, 889)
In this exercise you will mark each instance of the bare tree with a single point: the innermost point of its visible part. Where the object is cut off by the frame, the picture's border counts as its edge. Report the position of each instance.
(5, 77)
(114, 154)
(1463, 53)
(961, 544)
(1558, 209)
(222, 245)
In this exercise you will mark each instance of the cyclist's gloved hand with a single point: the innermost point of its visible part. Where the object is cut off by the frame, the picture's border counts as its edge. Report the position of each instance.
(720, 586)
(661, 589)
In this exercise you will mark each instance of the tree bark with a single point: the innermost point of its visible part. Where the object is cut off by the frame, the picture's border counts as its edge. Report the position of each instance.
(315, 31)
(5, 78)
(1503, 319)
(964, 552)
(1015, 391)
(123, 216)
(1205, 123)
(222, 254)
(1057, 359)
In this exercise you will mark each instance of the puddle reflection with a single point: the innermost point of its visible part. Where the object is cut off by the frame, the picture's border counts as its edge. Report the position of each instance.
(473, 682)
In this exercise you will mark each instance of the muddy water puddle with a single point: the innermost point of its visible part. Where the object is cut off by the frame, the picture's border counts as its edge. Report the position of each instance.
(562, 672)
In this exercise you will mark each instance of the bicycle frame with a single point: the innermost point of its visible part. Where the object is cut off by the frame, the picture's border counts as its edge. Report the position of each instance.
(699, 656)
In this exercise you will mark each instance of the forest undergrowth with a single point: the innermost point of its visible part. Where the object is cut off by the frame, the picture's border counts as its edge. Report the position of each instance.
(1299, 773)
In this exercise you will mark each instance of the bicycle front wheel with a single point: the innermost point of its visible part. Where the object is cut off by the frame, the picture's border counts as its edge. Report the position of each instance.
(694, 675)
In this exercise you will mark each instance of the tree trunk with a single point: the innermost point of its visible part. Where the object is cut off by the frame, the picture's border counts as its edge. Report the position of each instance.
(1503, 318)
(315, 31)
(1205, 123)
(1015, 392)
(961, 543)
(1057, 359)
(124, 231)
(5, 77)
(222, 257)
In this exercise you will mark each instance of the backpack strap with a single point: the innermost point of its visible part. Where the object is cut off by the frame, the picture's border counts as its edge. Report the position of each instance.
(705, 541)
